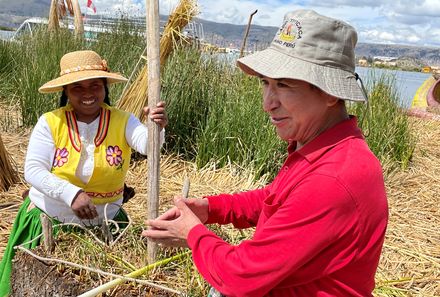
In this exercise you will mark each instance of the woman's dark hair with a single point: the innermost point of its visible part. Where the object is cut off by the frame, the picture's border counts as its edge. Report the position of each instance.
(63, 98)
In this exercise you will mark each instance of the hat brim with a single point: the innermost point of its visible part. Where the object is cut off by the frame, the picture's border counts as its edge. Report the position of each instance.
(57, 84)
(274, 64)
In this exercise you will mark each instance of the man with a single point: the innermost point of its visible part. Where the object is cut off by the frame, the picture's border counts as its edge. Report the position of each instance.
(321, 223)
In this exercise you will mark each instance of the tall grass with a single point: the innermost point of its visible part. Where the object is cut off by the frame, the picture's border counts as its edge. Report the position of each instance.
(384, 123)
(216, 115)
(215, 110)
(34, 60)
(6, 56)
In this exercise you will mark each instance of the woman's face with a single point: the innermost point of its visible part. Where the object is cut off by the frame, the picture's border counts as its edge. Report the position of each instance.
(86, 98)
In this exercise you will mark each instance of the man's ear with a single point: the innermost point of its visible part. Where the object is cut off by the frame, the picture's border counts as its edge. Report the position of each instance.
(332, 100)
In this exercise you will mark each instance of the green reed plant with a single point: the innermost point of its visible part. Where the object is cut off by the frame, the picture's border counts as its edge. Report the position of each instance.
(8, 51)
(122, 46)
(215, 110)
(384, 123)
(6, 56)
(216, 115)
(34, 60)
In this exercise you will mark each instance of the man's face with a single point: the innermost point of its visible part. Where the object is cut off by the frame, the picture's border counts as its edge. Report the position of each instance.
(298, 110)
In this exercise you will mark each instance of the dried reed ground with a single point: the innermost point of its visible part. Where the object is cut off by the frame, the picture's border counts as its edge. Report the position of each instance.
(410, 264)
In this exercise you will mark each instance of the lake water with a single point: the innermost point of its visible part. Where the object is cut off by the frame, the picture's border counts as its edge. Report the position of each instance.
(406, 82)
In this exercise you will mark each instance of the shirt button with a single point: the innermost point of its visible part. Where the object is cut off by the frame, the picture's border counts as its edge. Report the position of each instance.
(286, 168)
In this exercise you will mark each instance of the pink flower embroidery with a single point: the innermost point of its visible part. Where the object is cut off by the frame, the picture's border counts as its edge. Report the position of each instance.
(60, 157)
(114, 155)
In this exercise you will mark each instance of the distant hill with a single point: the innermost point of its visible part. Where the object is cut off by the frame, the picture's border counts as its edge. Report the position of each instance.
(25, 7)
(426, 55)
(228, 34)
(13, 13)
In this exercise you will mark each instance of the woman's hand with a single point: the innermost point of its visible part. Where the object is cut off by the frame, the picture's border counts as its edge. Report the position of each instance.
(172, 227)
(83, 207)
(158, 114)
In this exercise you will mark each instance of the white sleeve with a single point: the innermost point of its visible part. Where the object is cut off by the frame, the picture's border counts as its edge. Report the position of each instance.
(38, 165)
(136, 135)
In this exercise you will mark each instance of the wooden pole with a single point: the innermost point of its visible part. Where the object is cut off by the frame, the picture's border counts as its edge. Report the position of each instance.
(79, 25)
(243, 44)
(153, 64)
(46, 224)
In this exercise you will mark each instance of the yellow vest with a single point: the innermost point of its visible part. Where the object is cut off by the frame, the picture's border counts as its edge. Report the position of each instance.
(111, 157)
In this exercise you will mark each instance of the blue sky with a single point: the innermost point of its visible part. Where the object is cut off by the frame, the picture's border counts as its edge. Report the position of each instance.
(412, 22)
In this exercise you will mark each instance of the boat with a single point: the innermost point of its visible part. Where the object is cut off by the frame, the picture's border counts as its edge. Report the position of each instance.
(426, 101)
(419, 99)
(433, 96)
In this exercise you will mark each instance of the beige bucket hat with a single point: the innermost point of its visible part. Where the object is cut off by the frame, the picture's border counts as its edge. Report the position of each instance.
(80, 65)
(313, 48)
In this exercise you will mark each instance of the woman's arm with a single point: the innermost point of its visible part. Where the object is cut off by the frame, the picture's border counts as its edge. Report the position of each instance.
(136, 135)
(38, 164)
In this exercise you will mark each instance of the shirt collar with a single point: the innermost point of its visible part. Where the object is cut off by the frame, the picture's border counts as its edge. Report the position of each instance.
(340, 132)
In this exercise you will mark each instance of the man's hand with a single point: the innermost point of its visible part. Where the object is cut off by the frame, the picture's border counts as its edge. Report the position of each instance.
(172, 227)
(198, 206)
(83, 207)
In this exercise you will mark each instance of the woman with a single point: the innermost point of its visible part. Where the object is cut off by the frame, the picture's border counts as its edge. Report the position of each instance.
(79, 154)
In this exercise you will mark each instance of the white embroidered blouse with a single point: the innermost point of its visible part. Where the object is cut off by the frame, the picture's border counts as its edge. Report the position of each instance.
(54, 195)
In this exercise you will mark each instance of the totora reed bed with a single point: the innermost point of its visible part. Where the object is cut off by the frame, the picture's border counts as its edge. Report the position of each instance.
(410, 263)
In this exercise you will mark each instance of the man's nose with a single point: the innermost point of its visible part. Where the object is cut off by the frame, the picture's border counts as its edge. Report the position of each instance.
(270, 101)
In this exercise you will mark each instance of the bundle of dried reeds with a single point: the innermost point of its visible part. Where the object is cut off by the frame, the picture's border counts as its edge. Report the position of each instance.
(134, 98)
(78, 19)
(54, 22)
(8, 175)
(58, 10)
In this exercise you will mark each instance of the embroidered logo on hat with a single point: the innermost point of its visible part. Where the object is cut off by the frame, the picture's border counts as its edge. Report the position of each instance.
(312, 48)
(290, 31)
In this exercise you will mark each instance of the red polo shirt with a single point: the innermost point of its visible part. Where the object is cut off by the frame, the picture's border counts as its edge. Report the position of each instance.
(320, 225)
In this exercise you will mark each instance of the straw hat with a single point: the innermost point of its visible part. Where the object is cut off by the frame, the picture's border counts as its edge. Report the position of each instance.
(78, 66)
(312, 48)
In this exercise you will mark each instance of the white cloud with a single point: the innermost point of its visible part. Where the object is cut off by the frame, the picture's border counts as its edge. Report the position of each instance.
(270, 13)
(381, 21)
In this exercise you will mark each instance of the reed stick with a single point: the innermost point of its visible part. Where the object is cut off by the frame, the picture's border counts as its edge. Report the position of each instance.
(104, 287)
